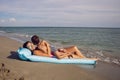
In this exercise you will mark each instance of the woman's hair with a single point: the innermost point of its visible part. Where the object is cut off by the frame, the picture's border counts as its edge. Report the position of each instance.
(35, 39)
(25, 44)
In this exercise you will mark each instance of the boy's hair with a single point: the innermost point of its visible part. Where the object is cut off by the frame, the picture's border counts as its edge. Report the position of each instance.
(35, 39)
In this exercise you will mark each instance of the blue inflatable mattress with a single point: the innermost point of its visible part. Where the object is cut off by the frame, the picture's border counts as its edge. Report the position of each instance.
(26, 54)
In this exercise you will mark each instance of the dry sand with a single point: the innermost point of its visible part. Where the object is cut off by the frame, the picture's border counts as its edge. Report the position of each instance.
(12, 68)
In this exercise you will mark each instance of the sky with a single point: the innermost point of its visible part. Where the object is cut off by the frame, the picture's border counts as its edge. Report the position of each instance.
(64, 13)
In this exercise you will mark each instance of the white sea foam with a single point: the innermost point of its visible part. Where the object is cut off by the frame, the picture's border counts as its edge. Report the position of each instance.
(103, 56)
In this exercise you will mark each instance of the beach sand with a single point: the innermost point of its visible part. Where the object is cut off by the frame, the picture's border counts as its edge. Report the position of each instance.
(12, 68)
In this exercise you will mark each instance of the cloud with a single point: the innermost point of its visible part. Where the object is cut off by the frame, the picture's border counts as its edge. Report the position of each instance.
(12, 20)
(2, 21)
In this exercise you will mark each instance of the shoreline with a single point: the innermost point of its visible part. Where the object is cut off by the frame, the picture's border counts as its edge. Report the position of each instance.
(47, 71)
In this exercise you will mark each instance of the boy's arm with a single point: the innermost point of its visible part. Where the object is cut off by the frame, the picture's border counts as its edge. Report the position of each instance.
(47, 47)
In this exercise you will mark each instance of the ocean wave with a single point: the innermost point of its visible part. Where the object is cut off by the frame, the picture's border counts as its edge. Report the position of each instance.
(2, 32)
(104, 56)
(16, 36)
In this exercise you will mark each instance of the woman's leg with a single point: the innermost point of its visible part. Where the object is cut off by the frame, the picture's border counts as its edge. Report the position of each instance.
(61, 55)
(75, 51)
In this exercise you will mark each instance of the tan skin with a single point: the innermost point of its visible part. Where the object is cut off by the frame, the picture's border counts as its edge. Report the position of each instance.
(72, 52)
(30, 46)
(45, 46)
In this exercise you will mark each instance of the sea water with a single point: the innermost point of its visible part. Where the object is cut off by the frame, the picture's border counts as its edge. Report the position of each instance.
(103, 43)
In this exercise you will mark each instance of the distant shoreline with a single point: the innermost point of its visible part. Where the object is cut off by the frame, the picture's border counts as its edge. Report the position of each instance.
(64, 27)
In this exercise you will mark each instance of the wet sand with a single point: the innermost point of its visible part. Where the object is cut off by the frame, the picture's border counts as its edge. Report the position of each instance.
(14, 68)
